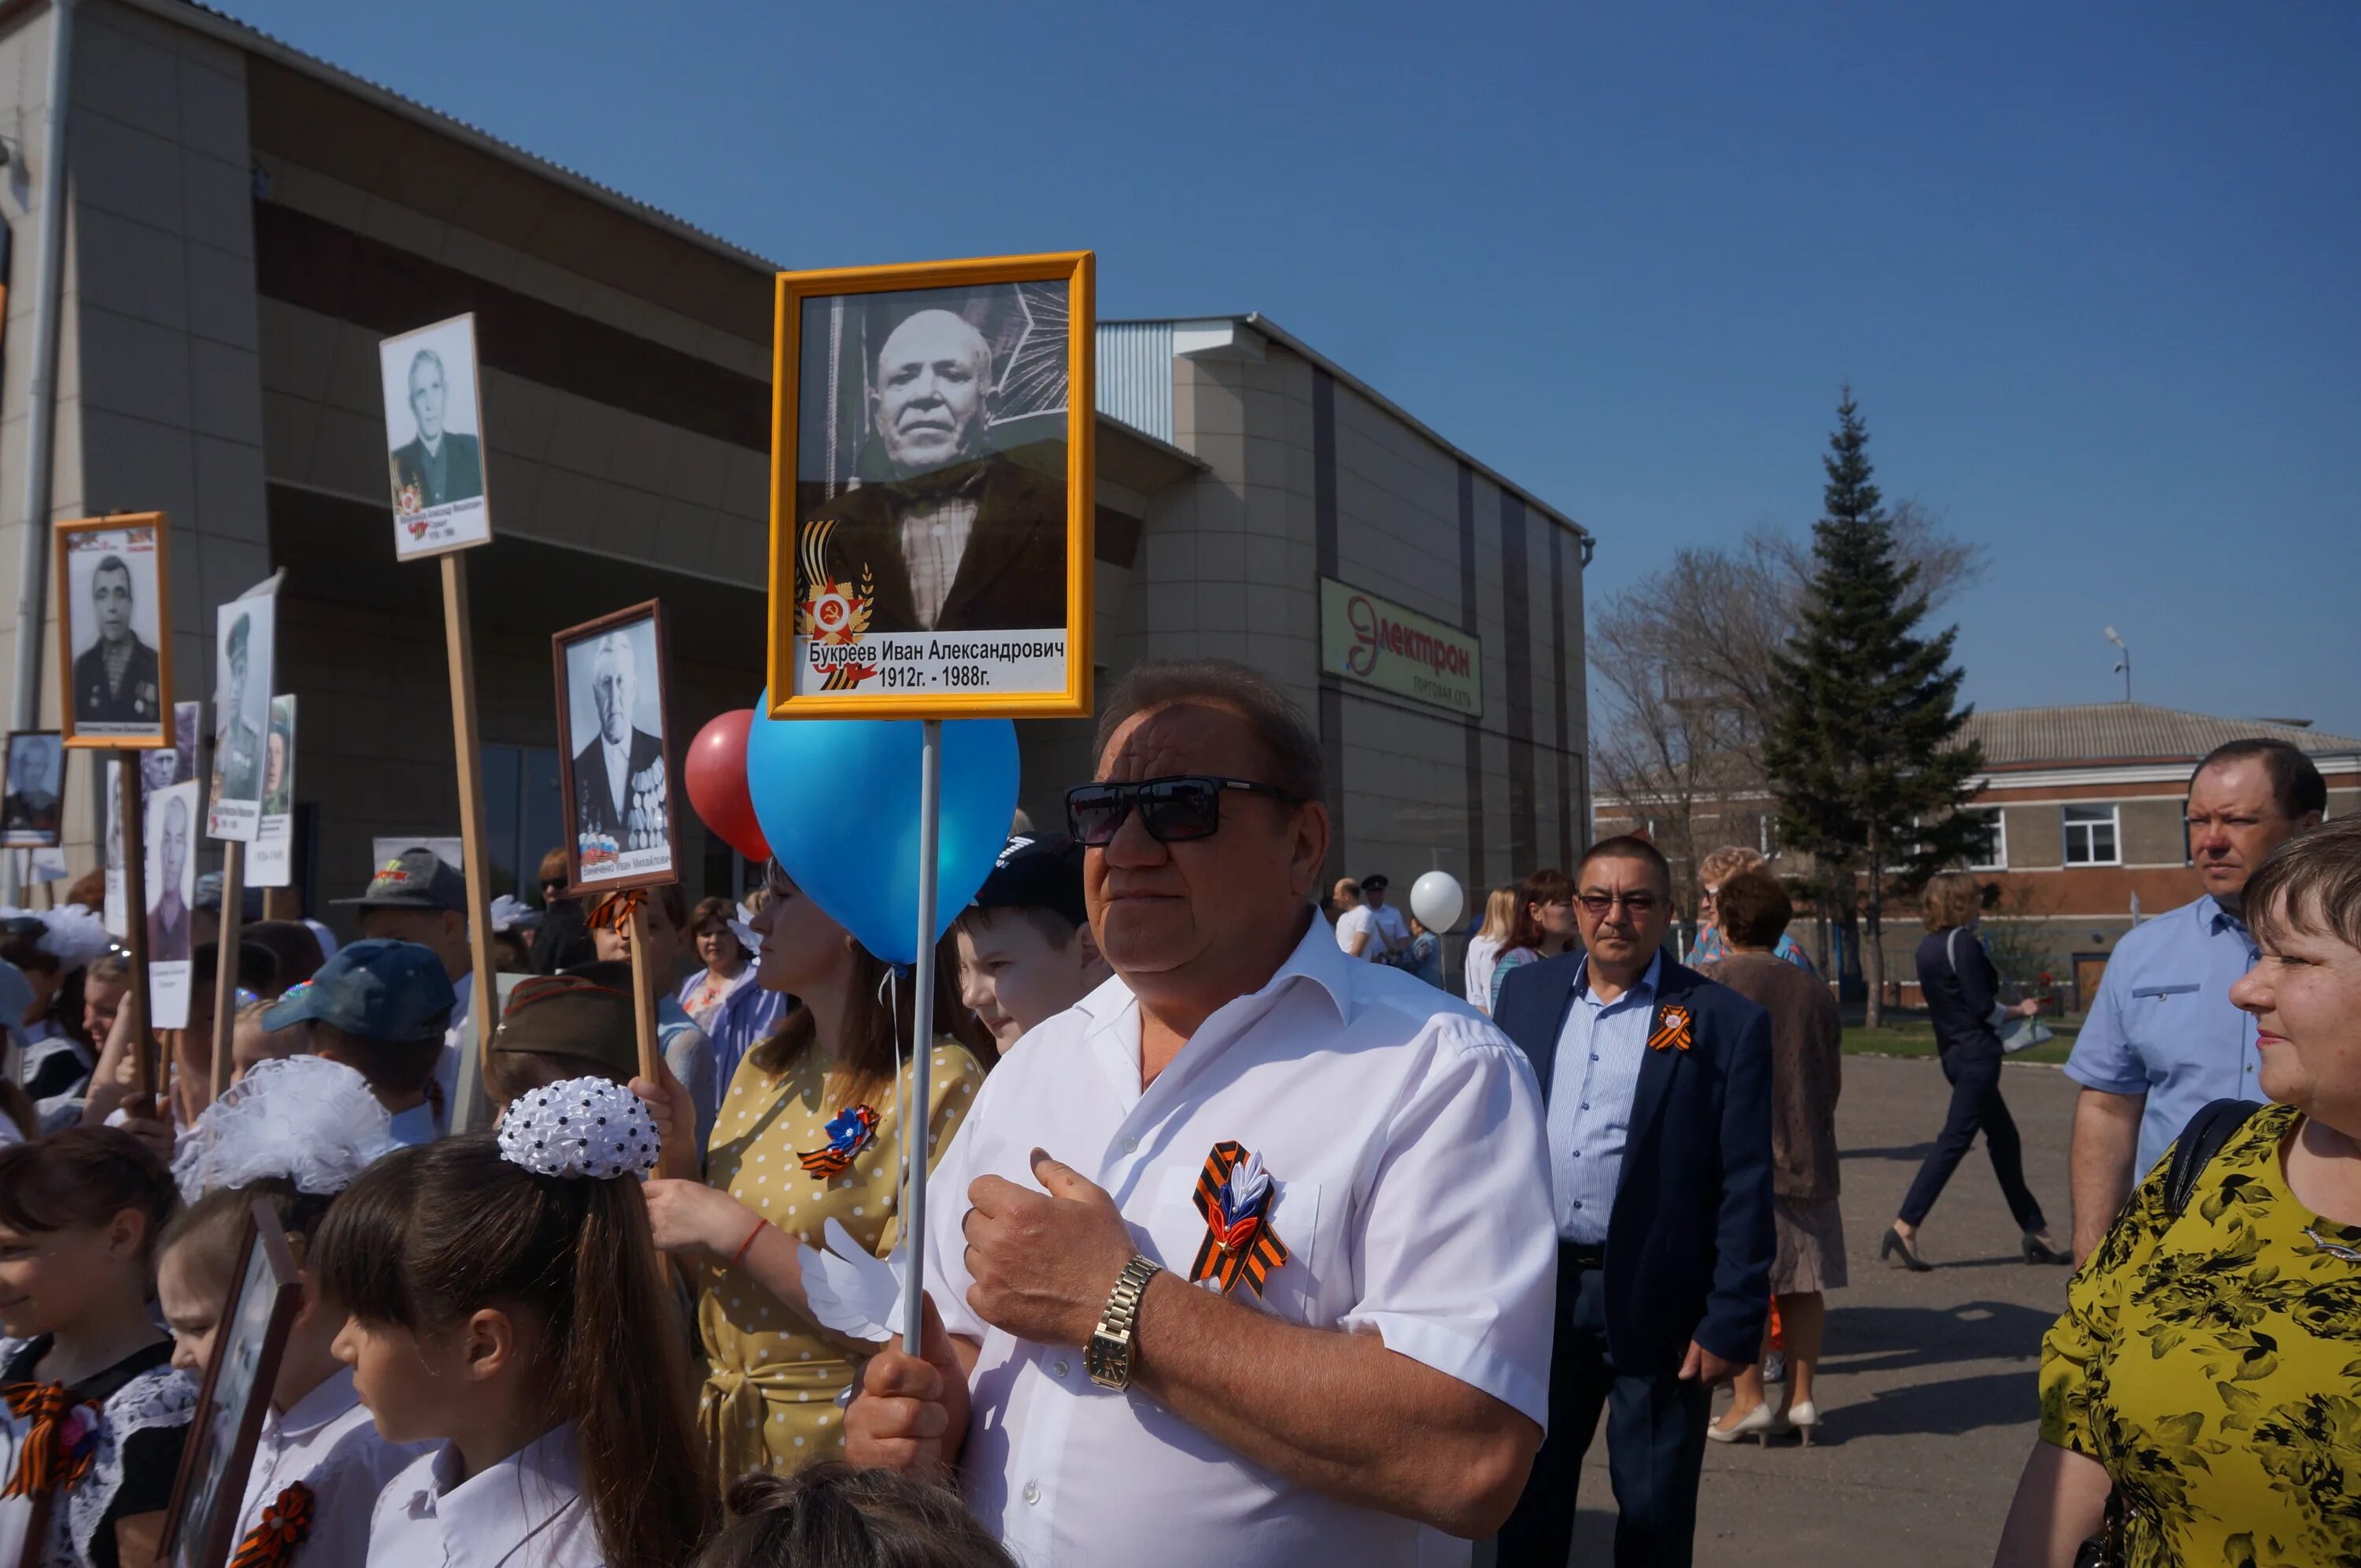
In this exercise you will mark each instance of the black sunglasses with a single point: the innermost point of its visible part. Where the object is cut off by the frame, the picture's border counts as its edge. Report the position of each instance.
(1183, 807)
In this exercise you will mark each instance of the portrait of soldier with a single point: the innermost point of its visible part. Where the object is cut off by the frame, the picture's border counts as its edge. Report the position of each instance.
(241, 741)
(440, 466)
(952, 535)
(279, 749)
(168, 912)
(116, 679)
(619, 776)
(31, 804)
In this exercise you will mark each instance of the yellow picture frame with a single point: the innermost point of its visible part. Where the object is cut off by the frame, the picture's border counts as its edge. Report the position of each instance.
(63, 533)
(1077, 271)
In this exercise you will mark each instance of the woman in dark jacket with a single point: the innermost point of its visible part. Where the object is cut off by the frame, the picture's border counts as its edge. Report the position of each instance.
(1961, 989)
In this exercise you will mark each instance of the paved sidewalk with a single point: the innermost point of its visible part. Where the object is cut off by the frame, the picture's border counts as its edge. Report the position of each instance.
(1926, 1390)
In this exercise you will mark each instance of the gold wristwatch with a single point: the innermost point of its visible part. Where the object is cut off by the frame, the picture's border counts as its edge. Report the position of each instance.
(1107, 1358)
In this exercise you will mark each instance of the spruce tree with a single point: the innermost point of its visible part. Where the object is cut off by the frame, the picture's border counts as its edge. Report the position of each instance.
(1863, 753)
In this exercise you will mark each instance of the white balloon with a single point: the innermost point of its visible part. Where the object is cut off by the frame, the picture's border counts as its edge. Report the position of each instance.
(1436, 899)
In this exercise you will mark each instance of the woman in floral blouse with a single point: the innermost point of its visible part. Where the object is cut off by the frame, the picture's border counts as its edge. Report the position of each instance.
(2207, 1369)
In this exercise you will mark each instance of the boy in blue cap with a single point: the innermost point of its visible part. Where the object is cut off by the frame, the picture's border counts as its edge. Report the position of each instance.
(380, 1008)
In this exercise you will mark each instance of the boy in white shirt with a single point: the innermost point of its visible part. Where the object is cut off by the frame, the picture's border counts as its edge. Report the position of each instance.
(1026, 952)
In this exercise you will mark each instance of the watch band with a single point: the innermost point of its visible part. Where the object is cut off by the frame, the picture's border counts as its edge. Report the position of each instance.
(1109, 1358)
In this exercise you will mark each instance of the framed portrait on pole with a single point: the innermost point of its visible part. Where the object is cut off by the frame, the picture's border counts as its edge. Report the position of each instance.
(434, 439)
(246, 641)
(33, 806)
(932, 490)
(614, 744)
(114, 621)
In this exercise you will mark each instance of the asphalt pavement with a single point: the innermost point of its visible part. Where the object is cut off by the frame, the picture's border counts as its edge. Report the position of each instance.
(1926, 1390)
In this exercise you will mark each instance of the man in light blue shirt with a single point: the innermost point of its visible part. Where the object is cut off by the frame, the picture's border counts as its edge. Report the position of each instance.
(2163, 1040)
(1591, 1087)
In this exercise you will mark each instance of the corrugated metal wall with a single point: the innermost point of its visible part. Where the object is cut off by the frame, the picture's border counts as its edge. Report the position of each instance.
(1136, 375)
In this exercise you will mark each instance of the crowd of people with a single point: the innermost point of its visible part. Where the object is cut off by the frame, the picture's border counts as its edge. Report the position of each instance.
(1245, 1240)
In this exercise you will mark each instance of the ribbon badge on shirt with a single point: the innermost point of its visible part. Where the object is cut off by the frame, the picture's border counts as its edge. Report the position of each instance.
(848, 1133)
(1671, 1030)
(1234, 1193)
(286, 1524)
(59, 1443)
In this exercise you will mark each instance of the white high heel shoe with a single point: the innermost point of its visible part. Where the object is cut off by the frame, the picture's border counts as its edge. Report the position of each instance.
(1803, 1416)
(1757, 1423)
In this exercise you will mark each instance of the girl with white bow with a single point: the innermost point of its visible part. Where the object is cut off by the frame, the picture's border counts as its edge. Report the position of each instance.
(503, 1298)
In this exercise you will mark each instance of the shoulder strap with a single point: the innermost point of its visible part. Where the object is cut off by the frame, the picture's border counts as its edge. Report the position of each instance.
(1952, 949)
(2198, 1144)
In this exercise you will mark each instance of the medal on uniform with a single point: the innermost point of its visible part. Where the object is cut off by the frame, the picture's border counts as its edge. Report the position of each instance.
(848, 1133)
(1234, 1193)
(1671, 1030)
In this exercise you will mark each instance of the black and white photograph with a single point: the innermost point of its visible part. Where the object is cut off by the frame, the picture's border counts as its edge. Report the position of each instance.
(246, 636)
(271, 862)
(266, 1293)
(112, 585)
(433, 439)
(940, 545)
(34, 804)
(612, 750)
(171, 869)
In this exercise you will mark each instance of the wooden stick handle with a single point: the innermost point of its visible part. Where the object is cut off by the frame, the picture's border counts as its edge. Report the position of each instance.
(644, 994)
(484, 1006)
(233, 929)
(134, 920)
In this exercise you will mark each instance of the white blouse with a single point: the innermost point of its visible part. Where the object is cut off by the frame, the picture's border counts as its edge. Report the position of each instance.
(330, 1443)
(527, 1511)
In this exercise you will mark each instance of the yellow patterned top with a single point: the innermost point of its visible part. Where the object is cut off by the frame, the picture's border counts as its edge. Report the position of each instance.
(2212, 1365)
(769, 1400)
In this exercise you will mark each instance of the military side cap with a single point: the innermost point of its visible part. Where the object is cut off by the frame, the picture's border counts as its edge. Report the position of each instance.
(569, 1015)
(387, 991)
(415, 879)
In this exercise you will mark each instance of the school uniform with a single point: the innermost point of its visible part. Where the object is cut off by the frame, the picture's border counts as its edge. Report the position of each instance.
(323, 1464)
(102, 1450)
(527, 1511)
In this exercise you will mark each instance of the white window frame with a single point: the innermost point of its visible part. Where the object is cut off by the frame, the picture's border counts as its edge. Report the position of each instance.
(1999, 860)
(2112, 822)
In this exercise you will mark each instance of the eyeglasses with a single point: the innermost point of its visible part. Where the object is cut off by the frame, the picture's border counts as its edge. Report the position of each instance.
(1183, 807)
(1600, 903)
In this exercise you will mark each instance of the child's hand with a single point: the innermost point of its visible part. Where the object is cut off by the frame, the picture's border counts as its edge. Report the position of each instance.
(142, 1122)
(693, 1220)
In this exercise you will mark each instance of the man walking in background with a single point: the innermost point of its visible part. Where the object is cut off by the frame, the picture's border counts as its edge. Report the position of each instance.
(2163, 1039)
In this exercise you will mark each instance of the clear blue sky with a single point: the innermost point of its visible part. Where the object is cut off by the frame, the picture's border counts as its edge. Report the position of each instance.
(2090, 269)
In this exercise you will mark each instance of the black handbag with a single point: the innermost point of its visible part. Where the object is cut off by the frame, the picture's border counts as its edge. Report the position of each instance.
(2199, 1142)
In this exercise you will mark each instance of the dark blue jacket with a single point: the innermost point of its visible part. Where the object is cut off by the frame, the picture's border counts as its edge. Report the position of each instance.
(1689, 1245)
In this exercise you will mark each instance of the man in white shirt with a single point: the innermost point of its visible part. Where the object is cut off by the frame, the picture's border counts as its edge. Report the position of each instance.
(1351, 1167)
(1354, 933)
(1392, 932)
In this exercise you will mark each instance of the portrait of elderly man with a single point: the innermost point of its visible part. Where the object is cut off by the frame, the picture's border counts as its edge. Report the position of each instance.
(953, 535)
(168, 912)
(440, 466)
(619, 776)
(116, 679)
(1247, 1256)
(241, 739)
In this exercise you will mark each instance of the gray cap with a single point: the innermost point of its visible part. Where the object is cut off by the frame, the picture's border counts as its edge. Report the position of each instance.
(415, 879)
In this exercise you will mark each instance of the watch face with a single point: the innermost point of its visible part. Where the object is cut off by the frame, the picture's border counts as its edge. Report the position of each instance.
(1105, 1359)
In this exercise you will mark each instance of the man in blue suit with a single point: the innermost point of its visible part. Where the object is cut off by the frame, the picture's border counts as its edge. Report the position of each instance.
(1657, 1083)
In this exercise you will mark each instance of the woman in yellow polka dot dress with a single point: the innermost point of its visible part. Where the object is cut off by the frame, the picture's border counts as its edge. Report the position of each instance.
(812, 1128)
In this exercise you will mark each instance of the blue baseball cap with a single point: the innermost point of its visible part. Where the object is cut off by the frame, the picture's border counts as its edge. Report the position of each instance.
(387, 991)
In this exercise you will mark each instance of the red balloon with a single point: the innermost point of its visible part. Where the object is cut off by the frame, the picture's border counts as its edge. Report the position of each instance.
(716, 777)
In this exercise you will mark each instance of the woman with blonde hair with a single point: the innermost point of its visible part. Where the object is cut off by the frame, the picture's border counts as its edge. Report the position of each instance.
(1961, 988)
(1484, 947)
(1729, 860)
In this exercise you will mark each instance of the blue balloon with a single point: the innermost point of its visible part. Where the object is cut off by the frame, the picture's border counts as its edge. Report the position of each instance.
(838, 799)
